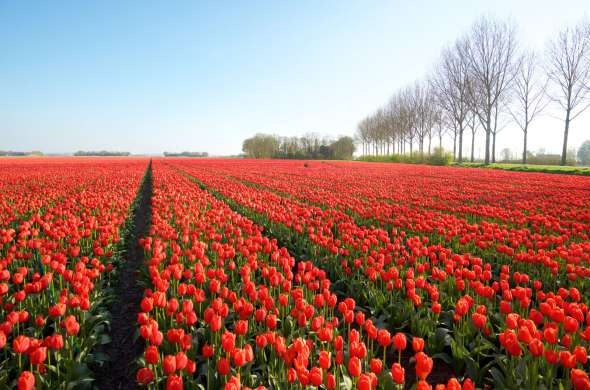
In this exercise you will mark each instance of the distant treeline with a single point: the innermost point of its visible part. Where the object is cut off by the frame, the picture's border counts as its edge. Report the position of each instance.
(7, 153)
(538, 158)
(102, 153)
(307, 147)
(186, 154)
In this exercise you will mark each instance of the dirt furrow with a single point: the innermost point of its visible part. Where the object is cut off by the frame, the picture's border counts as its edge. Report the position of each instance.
(123, 350)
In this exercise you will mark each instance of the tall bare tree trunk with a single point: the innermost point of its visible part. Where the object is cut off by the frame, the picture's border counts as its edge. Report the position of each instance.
(494, 147)
(565, 133)
(524, 147)
(472, 146)
(461, 143)
(488, 133)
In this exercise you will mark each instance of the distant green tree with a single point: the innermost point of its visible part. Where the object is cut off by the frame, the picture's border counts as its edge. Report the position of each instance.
(343, 148)
(584, 153)
(261, 146)
(325, 153)
(307, 147)
(101, 153)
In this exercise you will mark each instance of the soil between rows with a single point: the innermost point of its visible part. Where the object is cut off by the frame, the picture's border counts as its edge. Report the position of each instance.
(123, 350)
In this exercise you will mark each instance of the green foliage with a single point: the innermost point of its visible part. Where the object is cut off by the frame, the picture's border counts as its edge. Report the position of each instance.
(438, 157)
(186, 154)
(260, 146)
(101, 153)
(307, 147)
(10, 153)
(342, 148)
(568, 170)
(544, 159)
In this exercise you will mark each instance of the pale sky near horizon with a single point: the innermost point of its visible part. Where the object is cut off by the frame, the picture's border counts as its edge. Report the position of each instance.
(154, 76)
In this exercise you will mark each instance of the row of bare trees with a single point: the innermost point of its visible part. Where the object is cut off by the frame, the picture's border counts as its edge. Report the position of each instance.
(485, 80)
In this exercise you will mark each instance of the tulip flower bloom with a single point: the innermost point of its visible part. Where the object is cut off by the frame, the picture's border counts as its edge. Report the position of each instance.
(145, 376)
(397, 372)
(423, 365)
(354, 367)
(26, 381)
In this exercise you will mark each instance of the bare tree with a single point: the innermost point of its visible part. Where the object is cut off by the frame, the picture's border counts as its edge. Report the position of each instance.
(438, 124)
(408, 117)
(363, 136)
(501, 120)
(489, 50)
(431, 116)
(450, 84)
(420, 101)
(473, 125)
(529, 95)
(568, 69)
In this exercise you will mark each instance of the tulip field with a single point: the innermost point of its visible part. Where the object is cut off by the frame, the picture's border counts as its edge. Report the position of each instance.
(293, 275)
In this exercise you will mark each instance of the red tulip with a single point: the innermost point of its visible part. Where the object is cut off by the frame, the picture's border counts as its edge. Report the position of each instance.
(423, 365)
(20, 344)
(324, 359)
(453, 384)
(144, 376)
(376, 366)
(354, 367)
(536, 347)
(223, 366)
(423, 385)
(315, 376)
(181, 360)
(174, 382)
(399, 341)
(330, 381)
(580, 379)
(550, 335)
(383, 337)
(71, 325)
(397, 372)
(228, 341)
(207, 351)
(417, 344)
(365, 382)
(38, 355)
(581, 355)
(26, 381)
(169, 364)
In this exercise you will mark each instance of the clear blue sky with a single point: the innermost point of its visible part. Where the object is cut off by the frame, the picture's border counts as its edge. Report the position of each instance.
(148, 76)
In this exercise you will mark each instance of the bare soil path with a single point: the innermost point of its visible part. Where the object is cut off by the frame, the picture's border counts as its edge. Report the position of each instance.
(123, 350)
